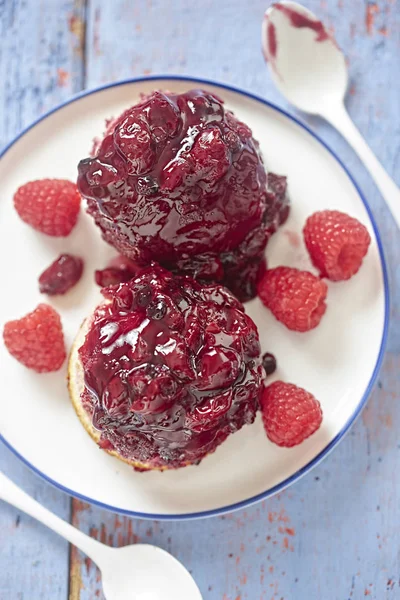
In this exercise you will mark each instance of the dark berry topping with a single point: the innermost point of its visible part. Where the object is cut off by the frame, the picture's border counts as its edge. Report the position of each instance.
(179, 180)
(171, 368)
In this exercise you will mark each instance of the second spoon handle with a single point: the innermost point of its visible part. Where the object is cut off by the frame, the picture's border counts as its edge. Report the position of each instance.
(11, 493)
(340, 119)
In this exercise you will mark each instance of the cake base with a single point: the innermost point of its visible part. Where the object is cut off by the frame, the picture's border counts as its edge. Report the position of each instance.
(76, 387)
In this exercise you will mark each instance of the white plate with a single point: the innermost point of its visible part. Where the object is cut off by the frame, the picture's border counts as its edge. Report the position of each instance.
(338, 361)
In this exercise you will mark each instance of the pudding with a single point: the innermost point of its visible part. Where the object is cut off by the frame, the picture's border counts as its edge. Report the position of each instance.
(179, 180)
(165, 369)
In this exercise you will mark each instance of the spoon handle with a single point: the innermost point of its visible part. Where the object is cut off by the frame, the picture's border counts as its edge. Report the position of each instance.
(339, 118)
(11, 493)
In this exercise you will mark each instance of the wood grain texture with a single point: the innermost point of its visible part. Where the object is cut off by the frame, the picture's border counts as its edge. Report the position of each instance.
(333, 535)
(42, 46)
(41, 64)
(33, 559)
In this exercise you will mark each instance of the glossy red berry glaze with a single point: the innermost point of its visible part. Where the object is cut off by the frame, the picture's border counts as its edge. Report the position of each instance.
(61, 275)
(171, 368)
(119, 270)
(179, 180)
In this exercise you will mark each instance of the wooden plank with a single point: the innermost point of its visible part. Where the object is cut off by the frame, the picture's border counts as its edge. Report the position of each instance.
(334, 534)
(41, 64)
(33, 559)
(41, 61)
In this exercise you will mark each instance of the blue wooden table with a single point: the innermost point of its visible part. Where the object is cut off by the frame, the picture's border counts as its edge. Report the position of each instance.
(335, 535)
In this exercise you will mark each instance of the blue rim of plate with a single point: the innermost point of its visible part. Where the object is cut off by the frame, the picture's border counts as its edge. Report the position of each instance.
(317, 459)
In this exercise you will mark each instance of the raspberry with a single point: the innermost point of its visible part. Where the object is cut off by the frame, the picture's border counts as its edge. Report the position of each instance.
(37, 339)
(290, 414)
(337, 243)
(61, 275)
(296, 298)
(49, 205)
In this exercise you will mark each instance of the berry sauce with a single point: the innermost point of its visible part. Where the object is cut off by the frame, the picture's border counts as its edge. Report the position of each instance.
(119, 270)
(171, 368)
(179, 180)
(299, 20)
(61, 275)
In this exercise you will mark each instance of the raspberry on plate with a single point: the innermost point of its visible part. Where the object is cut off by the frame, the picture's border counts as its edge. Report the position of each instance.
(337, 243)
(37, 340)
(49, 205)
(61, 275)
(290, 414)
(296, 298)
(165, 370)
(179, 180)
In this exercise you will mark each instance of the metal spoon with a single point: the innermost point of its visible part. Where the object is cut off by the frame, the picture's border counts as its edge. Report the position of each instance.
(309, 69)
(138, 572)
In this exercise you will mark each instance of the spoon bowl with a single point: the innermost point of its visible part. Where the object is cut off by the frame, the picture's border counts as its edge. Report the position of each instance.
(145, 572)
(136, 572)
(310, 70)
(304, 60)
